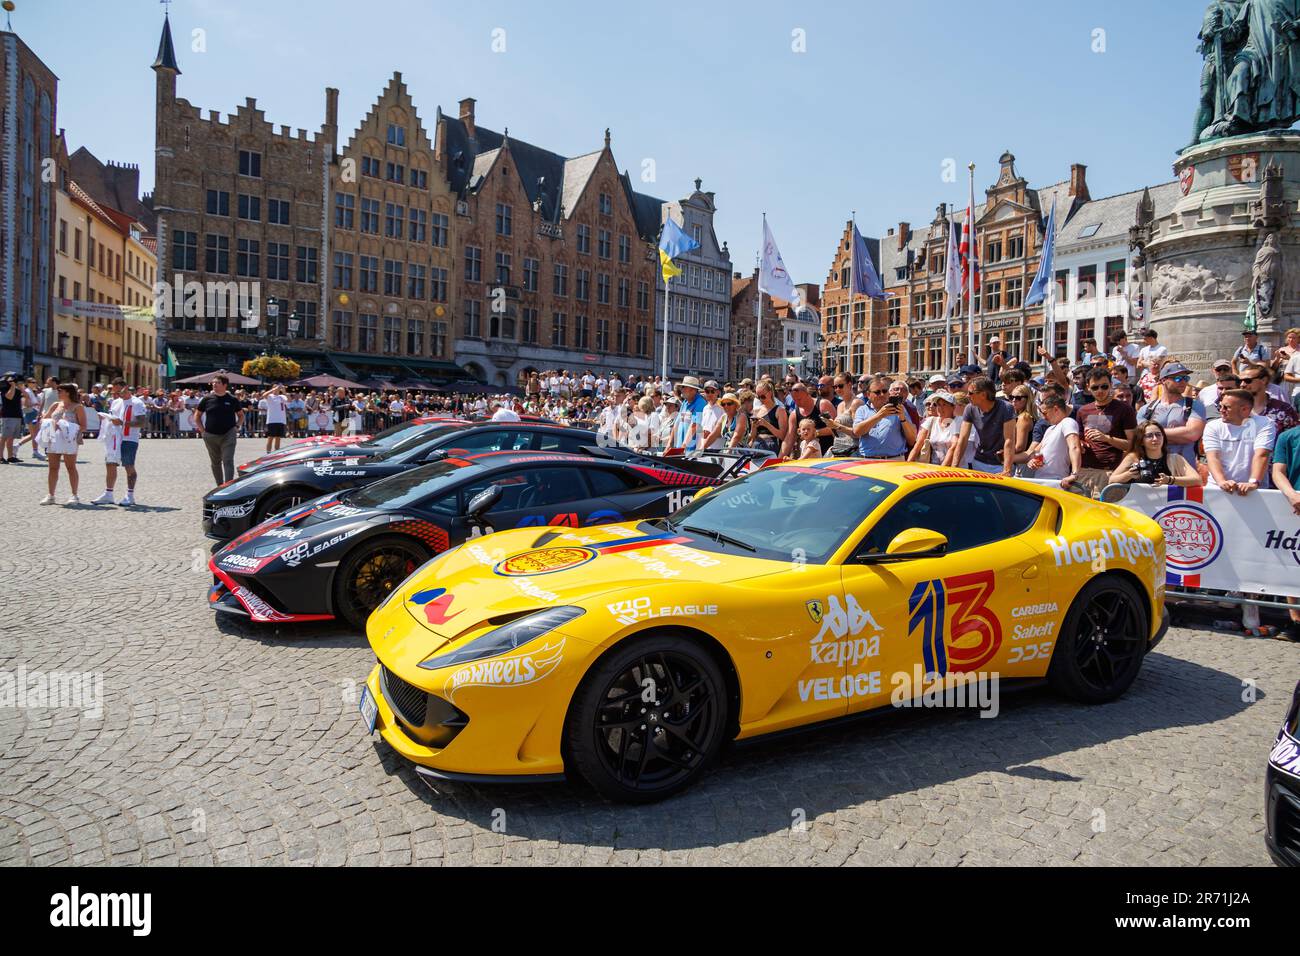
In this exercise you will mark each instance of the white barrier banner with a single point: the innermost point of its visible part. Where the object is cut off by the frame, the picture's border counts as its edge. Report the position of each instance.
(1223, 541)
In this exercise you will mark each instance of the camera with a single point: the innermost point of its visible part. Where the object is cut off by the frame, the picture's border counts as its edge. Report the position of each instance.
(1146, 469)
(894, 400)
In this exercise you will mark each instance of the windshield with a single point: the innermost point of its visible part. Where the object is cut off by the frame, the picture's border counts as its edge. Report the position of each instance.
(415, 438)
(391, 436)
(784, 514)
(399, 491)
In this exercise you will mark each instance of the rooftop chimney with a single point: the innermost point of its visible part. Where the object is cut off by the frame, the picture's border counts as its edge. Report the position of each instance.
(467, 115)
(1079, 182)
(904, 233)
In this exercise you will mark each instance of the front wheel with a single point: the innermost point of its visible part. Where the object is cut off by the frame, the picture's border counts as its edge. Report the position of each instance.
(369, 574)
(279, 501)
(1102, 643)
(648, 719)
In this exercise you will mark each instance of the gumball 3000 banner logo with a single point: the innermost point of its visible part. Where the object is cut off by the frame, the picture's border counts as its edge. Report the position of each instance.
(1193, 538)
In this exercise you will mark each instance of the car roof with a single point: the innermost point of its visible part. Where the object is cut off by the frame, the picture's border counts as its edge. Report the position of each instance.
(501, 459)
(904, 473)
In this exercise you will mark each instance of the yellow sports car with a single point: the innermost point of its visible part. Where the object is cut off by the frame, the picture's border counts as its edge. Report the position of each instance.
(804, 592)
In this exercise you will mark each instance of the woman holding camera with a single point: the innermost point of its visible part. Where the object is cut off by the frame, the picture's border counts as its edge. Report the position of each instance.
(1148, 461)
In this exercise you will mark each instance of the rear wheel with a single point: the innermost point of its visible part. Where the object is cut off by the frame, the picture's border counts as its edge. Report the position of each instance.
(283, 500)
(648, 719)
(369, 574)
(1103, 642)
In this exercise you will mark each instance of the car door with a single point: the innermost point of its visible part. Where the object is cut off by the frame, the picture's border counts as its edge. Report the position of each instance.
(953, 614)
(620, 494)
(536, 495)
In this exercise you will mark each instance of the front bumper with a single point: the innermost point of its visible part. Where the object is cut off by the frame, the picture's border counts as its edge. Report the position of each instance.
(231, 595)
(1282, 816)
(223, 520)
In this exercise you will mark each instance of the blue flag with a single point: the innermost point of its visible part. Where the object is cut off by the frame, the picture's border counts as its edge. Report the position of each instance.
(865, 280)
(673, 243)
(1038, 291)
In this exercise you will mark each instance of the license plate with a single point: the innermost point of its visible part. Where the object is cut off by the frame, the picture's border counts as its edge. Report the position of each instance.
(369, 709)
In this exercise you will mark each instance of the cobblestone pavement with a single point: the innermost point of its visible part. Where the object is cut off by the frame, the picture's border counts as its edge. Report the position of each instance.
(223, 743)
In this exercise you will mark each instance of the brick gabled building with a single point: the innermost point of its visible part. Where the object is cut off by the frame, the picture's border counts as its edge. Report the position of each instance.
(556, 259)
(847, 339)
(240, 209)
(391, 253)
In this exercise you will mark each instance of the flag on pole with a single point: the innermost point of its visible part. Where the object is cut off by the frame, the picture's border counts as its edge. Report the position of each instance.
(865, 280)
(673, 243)
(970, 267)
(1038, 291)
(952, 280)
(772, 276)
(171, 363)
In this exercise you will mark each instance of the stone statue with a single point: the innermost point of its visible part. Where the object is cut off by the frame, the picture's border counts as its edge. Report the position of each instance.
(1266, 276)
(1259, 49)
(1218, 53)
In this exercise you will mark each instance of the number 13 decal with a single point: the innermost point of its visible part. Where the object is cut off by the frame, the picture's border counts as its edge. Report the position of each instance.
(967, 595)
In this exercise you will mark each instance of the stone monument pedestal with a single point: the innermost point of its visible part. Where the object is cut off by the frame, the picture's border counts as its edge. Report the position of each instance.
(1199, 260)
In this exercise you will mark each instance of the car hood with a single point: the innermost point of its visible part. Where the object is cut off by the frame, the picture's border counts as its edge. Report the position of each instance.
(510, 573)
(295, 455)
(302, 533)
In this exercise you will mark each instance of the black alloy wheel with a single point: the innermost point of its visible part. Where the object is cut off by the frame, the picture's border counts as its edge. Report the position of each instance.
(371, 573)
(648, 719)
(1102, 643)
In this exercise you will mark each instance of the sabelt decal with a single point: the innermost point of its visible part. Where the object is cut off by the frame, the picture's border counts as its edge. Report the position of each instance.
(513, 670)
(543, 561)
(235, 511)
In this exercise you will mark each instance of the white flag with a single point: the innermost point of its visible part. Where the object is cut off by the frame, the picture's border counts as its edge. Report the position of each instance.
(772, 277)
(952, 276)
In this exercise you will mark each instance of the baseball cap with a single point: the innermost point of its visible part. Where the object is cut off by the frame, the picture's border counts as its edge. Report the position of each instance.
(1221, 363)
(938, 380)
(1171, 369)
(943, 396)
(969, 370)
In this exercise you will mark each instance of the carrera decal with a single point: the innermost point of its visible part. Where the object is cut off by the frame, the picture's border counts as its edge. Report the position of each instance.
(543, 561)
(514, 670)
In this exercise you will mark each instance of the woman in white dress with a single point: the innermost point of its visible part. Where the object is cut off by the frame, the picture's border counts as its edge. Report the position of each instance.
(61, 425)
(938, 432)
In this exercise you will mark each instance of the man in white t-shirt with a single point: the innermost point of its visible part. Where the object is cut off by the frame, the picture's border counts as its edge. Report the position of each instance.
(712, 417)
(1152, 352)
(1059, 454)
(274, 403)
(588, 385)
(1239, 444)
(504, 413)
(1126, 354)
(1250, 352)
(1291, 377)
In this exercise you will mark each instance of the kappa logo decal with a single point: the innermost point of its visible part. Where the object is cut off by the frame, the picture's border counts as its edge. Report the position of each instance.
(514, 670)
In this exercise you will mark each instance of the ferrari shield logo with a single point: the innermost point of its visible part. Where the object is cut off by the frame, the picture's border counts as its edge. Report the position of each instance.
(815, 611)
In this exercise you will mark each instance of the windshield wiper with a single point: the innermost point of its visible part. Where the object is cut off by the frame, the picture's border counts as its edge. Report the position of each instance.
(720, 537)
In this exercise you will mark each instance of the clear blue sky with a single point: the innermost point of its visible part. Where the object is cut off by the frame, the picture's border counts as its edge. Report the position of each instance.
(864, 119)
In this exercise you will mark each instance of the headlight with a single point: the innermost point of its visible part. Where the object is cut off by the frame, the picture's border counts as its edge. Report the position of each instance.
(507, 637)
(234, 488)
(267, 550)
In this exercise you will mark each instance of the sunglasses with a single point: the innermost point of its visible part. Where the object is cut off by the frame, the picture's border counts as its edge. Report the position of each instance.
(1179, 378)
(879, 391)
(1020, 398)
(1101, 388)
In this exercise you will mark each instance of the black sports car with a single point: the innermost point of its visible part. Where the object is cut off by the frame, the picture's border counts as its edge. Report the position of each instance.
(358, 446)
(340, 555)
(1282, 790)
(236, 506)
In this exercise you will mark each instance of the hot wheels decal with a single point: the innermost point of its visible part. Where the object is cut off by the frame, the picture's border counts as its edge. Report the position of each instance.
(514, 670)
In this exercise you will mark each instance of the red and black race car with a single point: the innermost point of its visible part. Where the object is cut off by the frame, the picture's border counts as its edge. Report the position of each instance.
(1282, 790)
(340, 555)
(236, 506)
(355, 446)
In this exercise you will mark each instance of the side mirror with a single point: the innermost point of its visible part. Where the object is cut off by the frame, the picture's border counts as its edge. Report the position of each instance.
(917, 542)
(909, 544)
(483, 502)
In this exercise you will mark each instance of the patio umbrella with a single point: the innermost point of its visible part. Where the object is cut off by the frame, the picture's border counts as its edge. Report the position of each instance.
(207, 377)
(326, 381)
